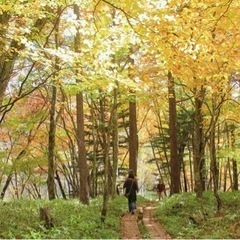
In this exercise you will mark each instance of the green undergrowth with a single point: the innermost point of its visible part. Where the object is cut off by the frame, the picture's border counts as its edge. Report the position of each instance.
(182, 215)
(186, 217)
(20, 219)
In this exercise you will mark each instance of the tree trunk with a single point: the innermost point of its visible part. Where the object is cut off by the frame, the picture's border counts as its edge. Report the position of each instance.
(235, 175)
(51, 146)
(214, 166)
(181, 157)
(95, 149)
(52, 128)
(106, 148)
(9, 178)
(60, 185)
(82, 156)
(191, 167)
(106, 182)
(115, 142)
(175, 161)
(133, 136)
(198, 144)
(212, 137)
(234, 162)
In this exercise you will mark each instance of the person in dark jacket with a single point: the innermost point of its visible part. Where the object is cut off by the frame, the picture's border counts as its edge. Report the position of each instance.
(131, 187)
(160, 190)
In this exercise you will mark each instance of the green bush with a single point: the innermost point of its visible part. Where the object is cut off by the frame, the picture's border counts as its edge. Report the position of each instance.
(185, 216)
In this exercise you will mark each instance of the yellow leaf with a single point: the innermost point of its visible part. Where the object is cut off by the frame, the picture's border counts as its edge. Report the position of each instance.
(5, 7)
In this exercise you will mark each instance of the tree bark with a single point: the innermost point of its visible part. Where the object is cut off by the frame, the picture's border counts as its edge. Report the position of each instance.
(51, 146)
(115, 143)
(82, 156)
(198, 144)
(9, 179)
(52, 128)
(60, 185)
(234, 162)
(106, 148)
(133, 136)
(174, 159)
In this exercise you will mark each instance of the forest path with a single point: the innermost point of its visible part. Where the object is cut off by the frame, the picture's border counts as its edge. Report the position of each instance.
(145, 214)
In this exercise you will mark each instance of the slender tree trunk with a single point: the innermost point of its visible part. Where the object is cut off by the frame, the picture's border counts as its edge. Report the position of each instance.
(115, 142)
(52, 128)
(9, 179)
(133, 136)
(213, 157)
(181, 154)
(51, 146)
(82, 156)
(191, 167)
(93, 190)
(60, 185)
(235, 174)
(214, 167)
(225, 173)
(106, 149)
(234, 162)
(175, 161)
(10, 176)
(198, 144)
(106, 179)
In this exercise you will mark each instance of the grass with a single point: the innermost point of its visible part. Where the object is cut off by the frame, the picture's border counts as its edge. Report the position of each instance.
(183, 216)
(72, 220)
(186, 217)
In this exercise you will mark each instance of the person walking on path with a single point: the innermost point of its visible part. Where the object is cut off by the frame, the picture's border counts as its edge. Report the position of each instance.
(160, 189)
(131, 189)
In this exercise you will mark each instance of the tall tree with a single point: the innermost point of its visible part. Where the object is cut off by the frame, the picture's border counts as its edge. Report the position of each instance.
(52, 128)
(199, 144)
(115, 136)
(133, 136)
(82, 156)
(174, 159)
(133, 131)
(51, 145)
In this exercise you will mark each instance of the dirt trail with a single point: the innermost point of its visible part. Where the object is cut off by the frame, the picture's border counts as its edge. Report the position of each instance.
(146, 214)
(130, 226)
